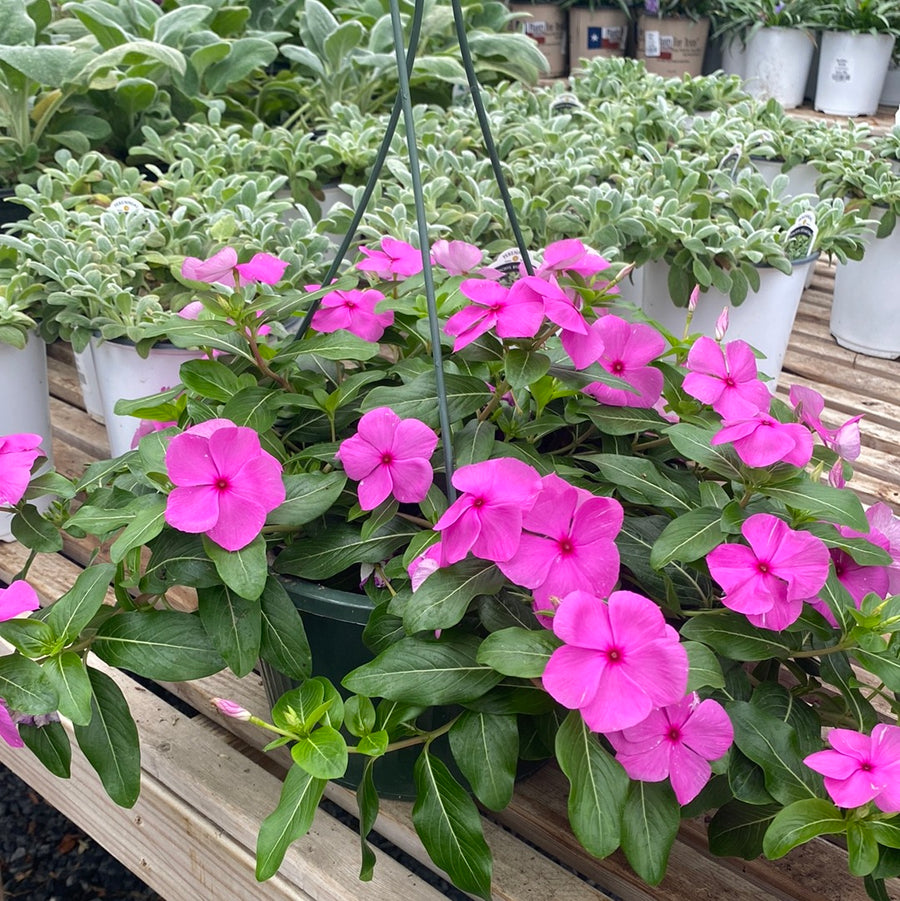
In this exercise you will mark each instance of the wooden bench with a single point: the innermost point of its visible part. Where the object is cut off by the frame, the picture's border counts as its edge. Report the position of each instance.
(207, 785)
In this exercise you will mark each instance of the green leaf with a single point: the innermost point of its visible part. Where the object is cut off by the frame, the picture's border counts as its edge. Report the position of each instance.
(291, 819)
(737, 829)
(799, 822)
(861, 550)
(30, 529)
(68, 676)
(820, 501)
(598, 786)
(78, 606)
(308, 495)
(731, 635)
(234, 626)
(25, 687)
(649, 825)
(283, 642)
(486, 748)
(244, 571)
(705, 671)
(640, 481)
(473, 443)
(448, 822)
(523, 366)
(420, 671)
(158, 644)
(367, 802)
(689, 537)
(518, 652)
(623, 420)
(419, 398)
(31, 637)
(148, 521)
(339, 346)
(50, 744)
(885, 665)
(110, 741)
(323, 753)
(443, 598)
(862, 849)
(772, 743)
(695, 444)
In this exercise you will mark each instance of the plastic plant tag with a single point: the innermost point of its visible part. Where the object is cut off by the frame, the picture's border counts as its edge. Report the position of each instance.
(565, 102)
(801, 237)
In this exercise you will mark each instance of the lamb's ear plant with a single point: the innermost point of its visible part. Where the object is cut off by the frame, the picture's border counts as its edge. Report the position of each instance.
(870, 185)
(44, 86)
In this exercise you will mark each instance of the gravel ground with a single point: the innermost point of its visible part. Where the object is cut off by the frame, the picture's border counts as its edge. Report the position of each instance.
(45, 857)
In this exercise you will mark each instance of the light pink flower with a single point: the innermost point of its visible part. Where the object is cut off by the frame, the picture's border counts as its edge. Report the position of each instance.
(677, 742)
(694, 299)
(570, 256)
(628, 349)
(148, 427)
(456, 257)
(845, 440)
(619, 661)
(487, 518)
(225, 482)
(9, 732)
(231, 709)
(389, 456)
(494, 306)
(721, 325)
(726, 379)
(396, 259)
(17, 455)
(20, 597)
(421, 567)
(353, 311)
(769, 580)
(762, 440)
(567, 543)
(861, 768)
(882, 520)
(223, 268)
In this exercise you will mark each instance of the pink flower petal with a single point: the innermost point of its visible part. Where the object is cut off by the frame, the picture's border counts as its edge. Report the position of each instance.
(263, 267)
(19, 598)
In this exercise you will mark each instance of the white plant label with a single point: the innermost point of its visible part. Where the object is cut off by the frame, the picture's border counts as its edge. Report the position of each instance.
(651, 43)
(126, 205)
(842, 72)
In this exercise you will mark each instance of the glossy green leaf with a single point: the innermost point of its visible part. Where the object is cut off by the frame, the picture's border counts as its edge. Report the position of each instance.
(367, 802)
(689, 537)
(650, 823)
(518, 652)
(233, 624)
(486, 748)
(25, 687)
(442, 600)
(799, 822)
(732, 635)
(323, 753)
(821, 501)
(737, 829)
(283, 642)
(31, 637)
(77, 607)
(695, 443)
(50, 744)
(244, 571)
(705, 671)
(308, 495)
(147, 522)
(68, 676)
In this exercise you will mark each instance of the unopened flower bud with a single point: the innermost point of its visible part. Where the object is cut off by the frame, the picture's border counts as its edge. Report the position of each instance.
(231, 708)
(722, 324)
(692, 300)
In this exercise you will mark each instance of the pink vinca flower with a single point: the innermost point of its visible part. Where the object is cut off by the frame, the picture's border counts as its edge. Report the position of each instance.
(396, 259)
(19, 598)
(353, 311)
(584, 350)
(223, 268)
(421, 567)
(9, 732)
(494, 306)
(769, 580)
(571, 257)
(761, 440)
(726, 378)
(389, 456)
(861, 768)
(882, 520)
(845, 440)
(619, 661)
(628, 349)
(487, 518)
(677, 742)
(567, 543)
(17, 455)
(558, 307)
(456, 257)
(225, 482)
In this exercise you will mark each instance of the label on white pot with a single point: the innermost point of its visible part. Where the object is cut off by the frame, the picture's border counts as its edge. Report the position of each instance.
(652, 44)
(565, 102)
(842, 70)
(126, 205)
(805, 227)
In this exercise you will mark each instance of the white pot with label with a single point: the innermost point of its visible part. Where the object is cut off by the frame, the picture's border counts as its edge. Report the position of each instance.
(852, 70)
(776, 64)
(764, 320)
(125, 375)
(25, 405)
(865, 313)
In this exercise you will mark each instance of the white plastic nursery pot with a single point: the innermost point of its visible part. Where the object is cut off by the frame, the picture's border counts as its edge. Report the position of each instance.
(890, 92)
(545, 23)
(90, 387)
(25, 405)
(776, 64)
(865, 313)
(124, 375)
(672, 46)
(852, 70)
(734, 57)
(801, 178)
(596, 32)
(764, 320)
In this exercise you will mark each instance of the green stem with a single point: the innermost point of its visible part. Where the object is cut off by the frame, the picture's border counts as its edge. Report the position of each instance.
(424, 738)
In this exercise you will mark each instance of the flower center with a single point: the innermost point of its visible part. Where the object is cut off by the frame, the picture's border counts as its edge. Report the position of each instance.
(478, 502)
(762, 567)
(730, 382)
(674, 734)
(221, 484)
(617, 367)
(350, 304)
(565, 546)
(614, 655)
(386, 459)
(866, 767)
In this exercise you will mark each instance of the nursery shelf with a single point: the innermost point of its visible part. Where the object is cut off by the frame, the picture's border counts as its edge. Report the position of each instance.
(206, 784)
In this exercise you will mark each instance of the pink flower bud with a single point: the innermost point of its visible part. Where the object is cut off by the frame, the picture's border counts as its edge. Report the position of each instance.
(722, 324)
(692, 300)
(231, 708)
